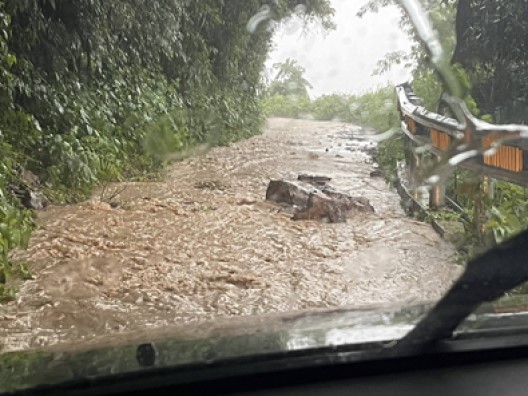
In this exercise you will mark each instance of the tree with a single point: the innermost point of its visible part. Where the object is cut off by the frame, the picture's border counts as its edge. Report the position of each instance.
(491, 48)
(290, 80)
(492, 44)
(442, 15)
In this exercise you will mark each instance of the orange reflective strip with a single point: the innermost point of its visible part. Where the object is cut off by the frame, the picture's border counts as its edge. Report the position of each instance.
(506, 157)
(411, 124)
(440, 140)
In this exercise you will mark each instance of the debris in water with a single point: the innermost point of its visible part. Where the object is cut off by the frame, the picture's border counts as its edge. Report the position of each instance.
(376, 173)
(315, 200)
(316, 180)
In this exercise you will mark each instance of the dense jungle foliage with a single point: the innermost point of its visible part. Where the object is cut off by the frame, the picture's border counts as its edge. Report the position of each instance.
(492, 45)
(93, 91)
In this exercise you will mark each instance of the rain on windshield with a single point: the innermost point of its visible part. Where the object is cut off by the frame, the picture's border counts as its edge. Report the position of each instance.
(170, 163)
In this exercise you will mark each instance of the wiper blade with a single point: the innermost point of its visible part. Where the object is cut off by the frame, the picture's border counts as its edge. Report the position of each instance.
(485, 278)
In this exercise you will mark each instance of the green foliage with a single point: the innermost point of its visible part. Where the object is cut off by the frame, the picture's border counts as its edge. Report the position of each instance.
(375, 109)
(490, 48)
(488, 63)
(286, 106)
(331, 107)
(15, 230)
(390, 152)
(442, 14)
(492, 45)
(287, 95)
(508, 212)
(289, 80)
(444, 215)
(488, 219)
(427, 86)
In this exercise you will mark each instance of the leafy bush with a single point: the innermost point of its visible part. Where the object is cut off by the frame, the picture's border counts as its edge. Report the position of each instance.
(15, 230)
(390, 152)
(331, 107)
(375, 109)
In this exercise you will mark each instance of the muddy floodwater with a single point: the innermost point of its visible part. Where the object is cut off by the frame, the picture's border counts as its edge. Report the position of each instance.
(204, 244)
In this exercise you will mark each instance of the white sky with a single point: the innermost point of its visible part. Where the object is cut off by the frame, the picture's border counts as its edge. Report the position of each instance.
(343, 60)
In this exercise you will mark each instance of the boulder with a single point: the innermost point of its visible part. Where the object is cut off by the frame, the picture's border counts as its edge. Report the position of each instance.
(376, 173)
(291, 193)
(322, 207)
(34, 200)
(360, 204)
(316, 203)
(28, 198)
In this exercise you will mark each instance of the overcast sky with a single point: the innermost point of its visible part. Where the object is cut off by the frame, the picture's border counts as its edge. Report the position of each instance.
(342, 61)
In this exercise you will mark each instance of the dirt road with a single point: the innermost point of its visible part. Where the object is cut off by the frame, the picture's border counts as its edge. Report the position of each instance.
(205, 244)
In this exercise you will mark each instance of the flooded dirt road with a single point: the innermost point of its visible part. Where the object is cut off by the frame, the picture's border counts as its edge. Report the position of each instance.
(205, 244)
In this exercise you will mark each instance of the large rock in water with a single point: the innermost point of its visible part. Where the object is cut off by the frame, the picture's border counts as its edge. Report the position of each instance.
(291, 193)
(312, 203)
(27, 189)
(360, 204)
(322, 207)
(34, 200)
(28, 198)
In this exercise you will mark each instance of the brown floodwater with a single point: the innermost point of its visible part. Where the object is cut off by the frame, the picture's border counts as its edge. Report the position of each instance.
(204, 244)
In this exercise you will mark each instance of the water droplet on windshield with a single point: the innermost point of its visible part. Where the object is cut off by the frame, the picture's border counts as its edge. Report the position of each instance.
(433, 179)
(263, 15)
(429, 36)
(146, 355)
(209, 355)
(300, 9)
(457, 159)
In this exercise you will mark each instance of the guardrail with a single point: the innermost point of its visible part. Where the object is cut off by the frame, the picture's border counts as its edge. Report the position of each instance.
(502, 149)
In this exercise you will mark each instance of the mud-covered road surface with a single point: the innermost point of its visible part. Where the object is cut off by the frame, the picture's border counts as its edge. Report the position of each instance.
(204, 244)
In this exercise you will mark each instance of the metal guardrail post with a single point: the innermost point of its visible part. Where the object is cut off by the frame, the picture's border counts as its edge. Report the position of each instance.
(415, 163)
(488, 186)
(437, 197)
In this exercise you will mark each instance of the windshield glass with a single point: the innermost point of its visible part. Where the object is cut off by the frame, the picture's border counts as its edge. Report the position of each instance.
(174, 165)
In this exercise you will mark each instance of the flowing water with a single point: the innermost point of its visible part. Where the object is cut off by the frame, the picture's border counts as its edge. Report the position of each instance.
(204, 244)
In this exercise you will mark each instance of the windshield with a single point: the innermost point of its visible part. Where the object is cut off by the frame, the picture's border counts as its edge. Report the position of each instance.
(168, 166)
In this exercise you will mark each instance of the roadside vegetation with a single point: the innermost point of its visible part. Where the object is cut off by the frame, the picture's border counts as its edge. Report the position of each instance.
(287, 96)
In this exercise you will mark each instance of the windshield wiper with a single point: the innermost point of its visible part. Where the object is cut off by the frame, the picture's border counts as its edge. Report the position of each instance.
(485, 278)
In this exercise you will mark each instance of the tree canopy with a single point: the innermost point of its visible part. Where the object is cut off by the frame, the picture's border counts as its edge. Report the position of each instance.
(289, 80)
(492, 44)
(490, 53)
